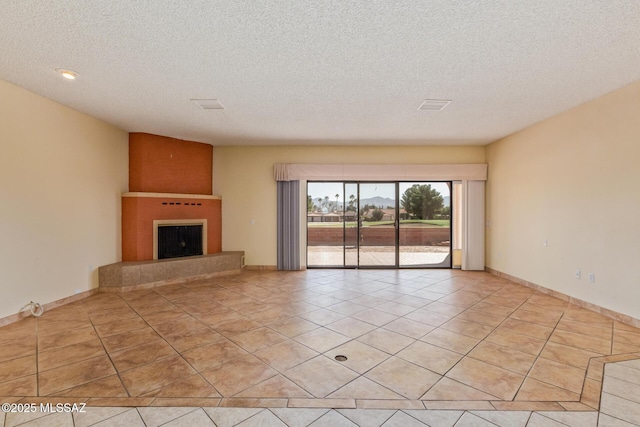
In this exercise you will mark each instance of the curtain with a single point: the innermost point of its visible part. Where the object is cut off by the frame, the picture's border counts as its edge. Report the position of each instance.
(473, 225)
(288, 225)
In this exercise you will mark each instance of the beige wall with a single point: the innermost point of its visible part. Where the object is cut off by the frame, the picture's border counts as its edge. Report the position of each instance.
(61, 175)
(574, 181)
(243, 176)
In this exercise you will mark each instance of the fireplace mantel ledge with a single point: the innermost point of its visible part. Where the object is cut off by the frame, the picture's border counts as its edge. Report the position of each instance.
(172, 195)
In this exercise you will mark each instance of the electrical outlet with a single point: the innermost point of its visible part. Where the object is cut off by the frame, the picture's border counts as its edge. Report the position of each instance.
(545, 243)
(578, 274)
(592, 277)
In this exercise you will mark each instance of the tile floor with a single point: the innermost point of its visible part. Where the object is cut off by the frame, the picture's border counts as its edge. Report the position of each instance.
(414, 339)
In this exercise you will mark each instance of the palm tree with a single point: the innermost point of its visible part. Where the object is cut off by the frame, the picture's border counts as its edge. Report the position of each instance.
(337, 197)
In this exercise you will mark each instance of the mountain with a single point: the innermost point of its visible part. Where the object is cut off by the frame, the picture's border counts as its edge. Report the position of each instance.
(378, 202)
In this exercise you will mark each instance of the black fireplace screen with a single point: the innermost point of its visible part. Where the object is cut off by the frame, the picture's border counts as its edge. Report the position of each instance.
(179, 240)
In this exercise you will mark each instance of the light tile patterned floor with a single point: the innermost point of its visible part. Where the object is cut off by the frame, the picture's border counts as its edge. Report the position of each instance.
(414, 339)
(620, 407)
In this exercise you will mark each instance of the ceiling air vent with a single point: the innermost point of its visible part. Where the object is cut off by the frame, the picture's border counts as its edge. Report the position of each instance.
(434, 104)
(208, 104)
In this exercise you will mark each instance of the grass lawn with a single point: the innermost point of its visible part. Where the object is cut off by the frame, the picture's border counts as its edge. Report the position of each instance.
(417, 222)
(433, 222)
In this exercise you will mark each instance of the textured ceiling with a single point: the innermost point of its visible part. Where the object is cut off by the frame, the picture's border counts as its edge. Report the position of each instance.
(318, 72)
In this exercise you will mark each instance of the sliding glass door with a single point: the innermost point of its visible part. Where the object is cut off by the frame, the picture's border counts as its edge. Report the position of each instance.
(351, 236)
(425, 217)
(378, 224)
(325, 224)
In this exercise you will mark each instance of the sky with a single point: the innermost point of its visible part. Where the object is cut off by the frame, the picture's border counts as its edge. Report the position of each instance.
(367, 189)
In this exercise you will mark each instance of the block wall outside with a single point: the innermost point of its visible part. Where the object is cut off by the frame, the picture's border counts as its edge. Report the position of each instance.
(378, 236)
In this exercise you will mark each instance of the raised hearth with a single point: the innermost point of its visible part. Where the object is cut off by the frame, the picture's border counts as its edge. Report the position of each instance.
(134, 275)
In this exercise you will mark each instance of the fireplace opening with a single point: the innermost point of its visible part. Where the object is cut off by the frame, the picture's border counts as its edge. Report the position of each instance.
(179, 241)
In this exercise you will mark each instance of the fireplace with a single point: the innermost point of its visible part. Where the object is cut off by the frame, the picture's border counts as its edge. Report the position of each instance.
(142, 213)
(179, 238)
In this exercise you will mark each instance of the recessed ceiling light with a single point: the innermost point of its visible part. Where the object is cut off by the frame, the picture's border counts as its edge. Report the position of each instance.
(67, 74)
(434, 104)
(208, 104)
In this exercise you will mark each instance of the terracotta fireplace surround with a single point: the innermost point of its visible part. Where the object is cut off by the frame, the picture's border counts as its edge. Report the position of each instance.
(169, 179)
